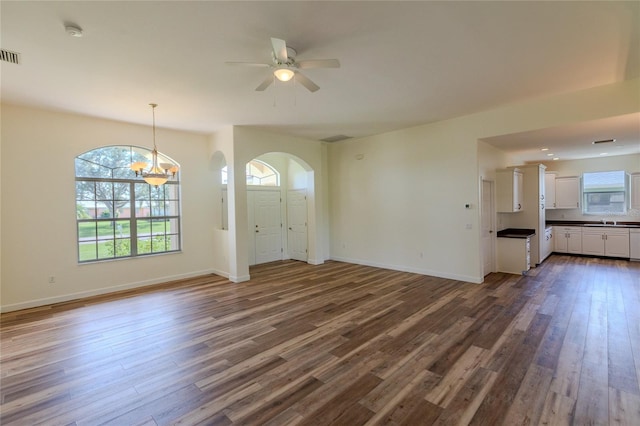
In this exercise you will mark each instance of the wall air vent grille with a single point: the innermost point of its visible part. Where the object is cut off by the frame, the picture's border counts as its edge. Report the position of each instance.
(9, 56)
(336, 138)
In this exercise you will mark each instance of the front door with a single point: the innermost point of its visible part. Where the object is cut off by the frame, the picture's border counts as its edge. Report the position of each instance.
(268, 226)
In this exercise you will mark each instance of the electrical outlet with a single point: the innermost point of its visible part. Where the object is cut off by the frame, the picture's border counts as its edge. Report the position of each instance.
(52, 279)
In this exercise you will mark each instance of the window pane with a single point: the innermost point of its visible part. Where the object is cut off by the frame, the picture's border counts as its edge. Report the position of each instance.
(144, 245)
(87, 230)
(87, 251)
(159, 244)
(158, 226)
(106, 229)
(122, 247)
(85, 190)
(106, 249)
(143, 228)
(173, 208)
(173, 226)
(157, 208)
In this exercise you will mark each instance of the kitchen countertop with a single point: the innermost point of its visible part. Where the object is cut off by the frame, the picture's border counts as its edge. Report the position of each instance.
(516, 233)
(591, 223)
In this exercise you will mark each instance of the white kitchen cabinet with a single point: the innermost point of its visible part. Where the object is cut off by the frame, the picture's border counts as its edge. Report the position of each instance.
(593, 241)
(603, 241)
(550, 190)
(509, 190)
(616, 242)
(635, 191)
(514, 255)
(547, 243)
(567, 192)
(634, 243)
(567, 239)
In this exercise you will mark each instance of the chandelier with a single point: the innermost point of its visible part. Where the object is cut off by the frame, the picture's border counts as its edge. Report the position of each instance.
(157, 173)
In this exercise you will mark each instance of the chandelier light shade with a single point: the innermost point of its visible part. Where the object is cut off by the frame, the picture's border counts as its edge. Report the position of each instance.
(157, 173)
(283, 74)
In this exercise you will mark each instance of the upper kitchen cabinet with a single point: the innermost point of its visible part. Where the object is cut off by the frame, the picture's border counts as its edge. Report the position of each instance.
(550, 190)
(635, 191)
(568, 192)
(509, 190)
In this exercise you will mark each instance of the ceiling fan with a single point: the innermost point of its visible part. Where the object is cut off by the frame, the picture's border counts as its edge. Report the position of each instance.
(285, 66)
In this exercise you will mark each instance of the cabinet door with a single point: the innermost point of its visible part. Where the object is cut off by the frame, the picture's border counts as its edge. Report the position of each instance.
(509, 190)
(567, 193)
(518, 191)
(560, 240)
(574, 243)
(550, 191)
(635, 191)
(617, 245)
(593, 243)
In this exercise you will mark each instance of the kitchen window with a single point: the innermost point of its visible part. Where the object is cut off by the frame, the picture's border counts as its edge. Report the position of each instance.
(605, 192)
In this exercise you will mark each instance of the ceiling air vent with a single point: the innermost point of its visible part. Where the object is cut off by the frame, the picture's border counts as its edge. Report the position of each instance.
(9, 56)
(336, 138)
(603, 141)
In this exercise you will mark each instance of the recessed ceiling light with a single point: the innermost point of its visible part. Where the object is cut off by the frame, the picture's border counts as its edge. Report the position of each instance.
(604, 153)
(550, 155)
(544, 149)
(555, 158)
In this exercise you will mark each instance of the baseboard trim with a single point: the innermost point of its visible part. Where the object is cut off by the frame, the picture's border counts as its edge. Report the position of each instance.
(402, 268)
(105, 290)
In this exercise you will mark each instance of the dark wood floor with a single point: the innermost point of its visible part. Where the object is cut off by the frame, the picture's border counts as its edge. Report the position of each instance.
(336, 344)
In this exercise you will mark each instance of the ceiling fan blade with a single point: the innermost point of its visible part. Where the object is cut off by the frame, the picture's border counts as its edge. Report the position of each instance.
(310, 85)
(248, 64)
(319, 63)
(280, 49)
(266, 83)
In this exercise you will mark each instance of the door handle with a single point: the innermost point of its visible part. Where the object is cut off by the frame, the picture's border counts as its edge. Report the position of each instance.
(257, 231)
(290, 229)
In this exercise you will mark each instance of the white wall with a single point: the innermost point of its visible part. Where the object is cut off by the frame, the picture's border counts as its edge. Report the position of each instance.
(629, 163)
(38, 207)
(401, 205)
(250, 143)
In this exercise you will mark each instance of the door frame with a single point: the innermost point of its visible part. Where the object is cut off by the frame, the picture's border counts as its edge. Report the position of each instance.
(492, 231)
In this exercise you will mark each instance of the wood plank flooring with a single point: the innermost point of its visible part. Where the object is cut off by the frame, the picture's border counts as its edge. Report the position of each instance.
(335, 344)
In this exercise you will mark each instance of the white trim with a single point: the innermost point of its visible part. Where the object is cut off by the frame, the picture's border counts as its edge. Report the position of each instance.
(315, 261)
(105, 290)
(429, 272)
(239, 279)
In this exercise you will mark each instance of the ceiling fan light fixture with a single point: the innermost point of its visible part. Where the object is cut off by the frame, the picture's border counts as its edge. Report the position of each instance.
(283, 74)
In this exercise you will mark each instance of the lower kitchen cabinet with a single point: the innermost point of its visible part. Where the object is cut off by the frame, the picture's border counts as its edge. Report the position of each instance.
(514, 255)
(547, 243)
(612, 242)
(567, 239)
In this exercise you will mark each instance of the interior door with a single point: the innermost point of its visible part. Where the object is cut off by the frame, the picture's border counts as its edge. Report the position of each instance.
(297, 224)
(268, 226)
(487, 225)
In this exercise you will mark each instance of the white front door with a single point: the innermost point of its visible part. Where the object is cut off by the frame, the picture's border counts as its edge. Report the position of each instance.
(297, 224)
(487, 231)
(268, 226)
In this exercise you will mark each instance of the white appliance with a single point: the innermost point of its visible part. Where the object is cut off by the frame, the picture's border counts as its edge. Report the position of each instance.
(634, 243)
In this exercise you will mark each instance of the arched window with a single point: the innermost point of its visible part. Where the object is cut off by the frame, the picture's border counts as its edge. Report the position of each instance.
(258, 173)
(118, 214)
